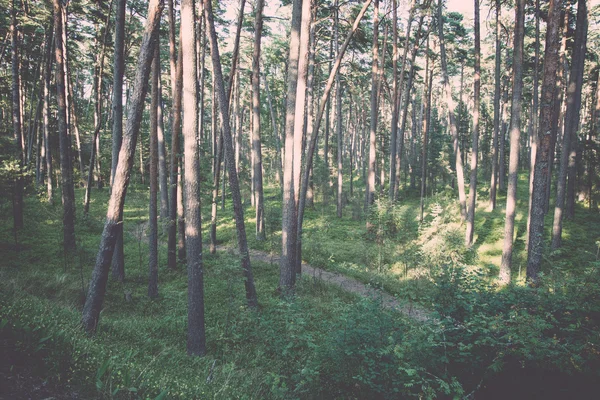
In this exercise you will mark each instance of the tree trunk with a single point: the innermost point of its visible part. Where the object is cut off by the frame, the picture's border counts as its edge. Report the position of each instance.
(287, 271)
(460, 179)
(230, 159)
(66, 169)
(374, 112)
(427, 100)
(196, 338)
(515, 134)
(17, 120)
(45, 117)
(153, 206)
(163, 185)
(338, 112)
(497, 73)
(475, 141)
(540, 179)
(97, 288)
(256, 141)
(567, 159)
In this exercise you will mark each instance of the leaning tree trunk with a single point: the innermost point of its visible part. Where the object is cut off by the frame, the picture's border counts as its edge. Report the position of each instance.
(230, 158)
(571, 121)
(118, 259)
(66, 168)
(515, 134)
(540, 178)
(475, 141)
(97, 288)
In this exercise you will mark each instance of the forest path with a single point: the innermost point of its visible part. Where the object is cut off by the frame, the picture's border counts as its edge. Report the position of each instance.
(349, 284)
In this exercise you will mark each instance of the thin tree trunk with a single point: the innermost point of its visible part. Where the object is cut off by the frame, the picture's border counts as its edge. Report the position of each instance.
(427, 99)
(515, 134)
(17, 120)
(567, 160)
(338, 106)
(475, 141)
(543, 157)
(256, 141)
(497, 74)
(45, 117)
(163, 185)
(374, 112)
(66, 170)
(153, 206)
(460, 179)
(97, 288)
(230, 159)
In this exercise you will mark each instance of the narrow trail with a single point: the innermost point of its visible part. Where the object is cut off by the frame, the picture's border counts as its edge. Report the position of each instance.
(349, 284)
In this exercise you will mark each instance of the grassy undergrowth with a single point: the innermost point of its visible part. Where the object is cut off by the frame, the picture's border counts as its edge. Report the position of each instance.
(324, 342)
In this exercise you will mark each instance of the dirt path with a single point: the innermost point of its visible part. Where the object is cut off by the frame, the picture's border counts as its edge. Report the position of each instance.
(348, 284)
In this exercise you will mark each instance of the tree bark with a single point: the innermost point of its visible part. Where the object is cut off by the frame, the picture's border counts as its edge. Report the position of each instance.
(338, 107)
(540, 179)
(230, 158)
(45, 117)
(515, 134)
(497, 74)
(460, 179)
(66, 169)
(97, 288)
(17, 120)
(256, 141)
(425, 122)
(574, 88)
(374, 112)
(475, 141)
(153, 206)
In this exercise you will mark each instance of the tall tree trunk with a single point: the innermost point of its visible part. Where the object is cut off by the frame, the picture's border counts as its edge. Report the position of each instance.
(97, 288)
(196, 338)
(287, 270)
(153, 206)
(17, 120)
(374, 89)
(497, 74)
(176, 82)
(118, 259)
(256, 141)
(163, 185)
(460, 179)
(427, 100)
(543, 157)
(338, 107)
(515, 134)
(475, 141)
(45, 117)
(571, 121)
(66, 169)
(230, 159)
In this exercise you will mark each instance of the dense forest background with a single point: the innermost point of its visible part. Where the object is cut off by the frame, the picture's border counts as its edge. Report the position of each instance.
(168, 167)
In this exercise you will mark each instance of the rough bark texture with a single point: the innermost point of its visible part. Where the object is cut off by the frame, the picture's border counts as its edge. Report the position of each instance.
(287, 272)
(66, 168)
(163, 184)
(46, 122)
(515, 134)
(97, 287)
(540, 179)
(230, 158)
(196, 337)
(256, 141)
(338, 112)
(567, 159)
(475, 141)
(425, 128)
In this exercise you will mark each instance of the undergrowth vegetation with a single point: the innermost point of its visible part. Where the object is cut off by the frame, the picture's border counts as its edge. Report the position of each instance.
(324, 342)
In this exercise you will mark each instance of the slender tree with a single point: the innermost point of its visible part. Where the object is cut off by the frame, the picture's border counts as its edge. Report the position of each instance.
(515, 134)
(497, 74)
(256, 141)
(475, 141)
(230, 157)
(66, 168)
(543, 157)
(153, 206)
(97, 287)
(574, 88)
(17, 119)
(374, 105)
